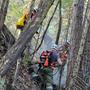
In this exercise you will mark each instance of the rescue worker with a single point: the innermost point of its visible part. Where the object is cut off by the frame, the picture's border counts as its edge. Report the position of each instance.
(48, 65)
(24, 19)
(48, 62)
(62, 60)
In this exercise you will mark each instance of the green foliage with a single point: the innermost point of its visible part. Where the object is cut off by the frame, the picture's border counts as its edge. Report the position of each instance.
(66, 3)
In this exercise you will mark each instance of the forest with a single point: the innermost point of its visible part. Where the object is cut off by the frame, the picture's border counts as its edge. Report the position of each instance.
(44, 45)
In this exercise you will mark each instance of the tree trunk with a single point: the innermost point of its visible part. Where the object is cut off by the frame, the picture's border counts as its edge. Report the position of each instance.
(85, 63)
(12, 55)
(74, 82)
(76, 27)
(6, 40)
(60, 23)
(32, 6)
(17, 71)
(3, 11)
(86, 60)
(77, 18)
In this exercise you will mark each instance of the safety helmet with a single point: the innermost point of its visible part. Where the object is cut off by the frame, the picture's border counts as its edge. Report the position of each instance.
(54, 46)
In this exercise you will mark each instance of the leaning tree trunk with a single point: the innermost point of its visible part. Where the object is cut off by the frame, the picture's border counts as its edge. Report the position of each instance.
(17, 49)
(76, 28)
(18, 65)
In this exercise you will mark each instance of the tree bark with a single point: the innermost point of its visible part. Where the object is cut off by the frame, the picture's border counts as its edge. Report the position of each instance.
(6, 40)
(84, 41)
(68, 25)
(76, 27)
(85, 63)
(32, 6)
(76, 32)
(12, 55)
(60, 23)
(17, 71)
(3, 11)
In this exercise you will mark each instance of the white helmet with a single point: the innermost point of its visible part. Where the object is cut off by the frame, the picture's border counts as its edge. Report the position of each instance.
(54, 46)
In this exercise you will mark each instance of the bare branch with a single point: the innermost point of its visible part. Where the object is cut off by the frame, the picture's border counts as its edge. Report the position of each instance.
(46, 29)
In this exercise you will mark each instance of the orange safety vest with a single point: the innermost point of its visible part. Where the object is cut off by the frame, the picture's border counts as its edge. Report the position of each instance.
(44, 57)
(46, 62)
